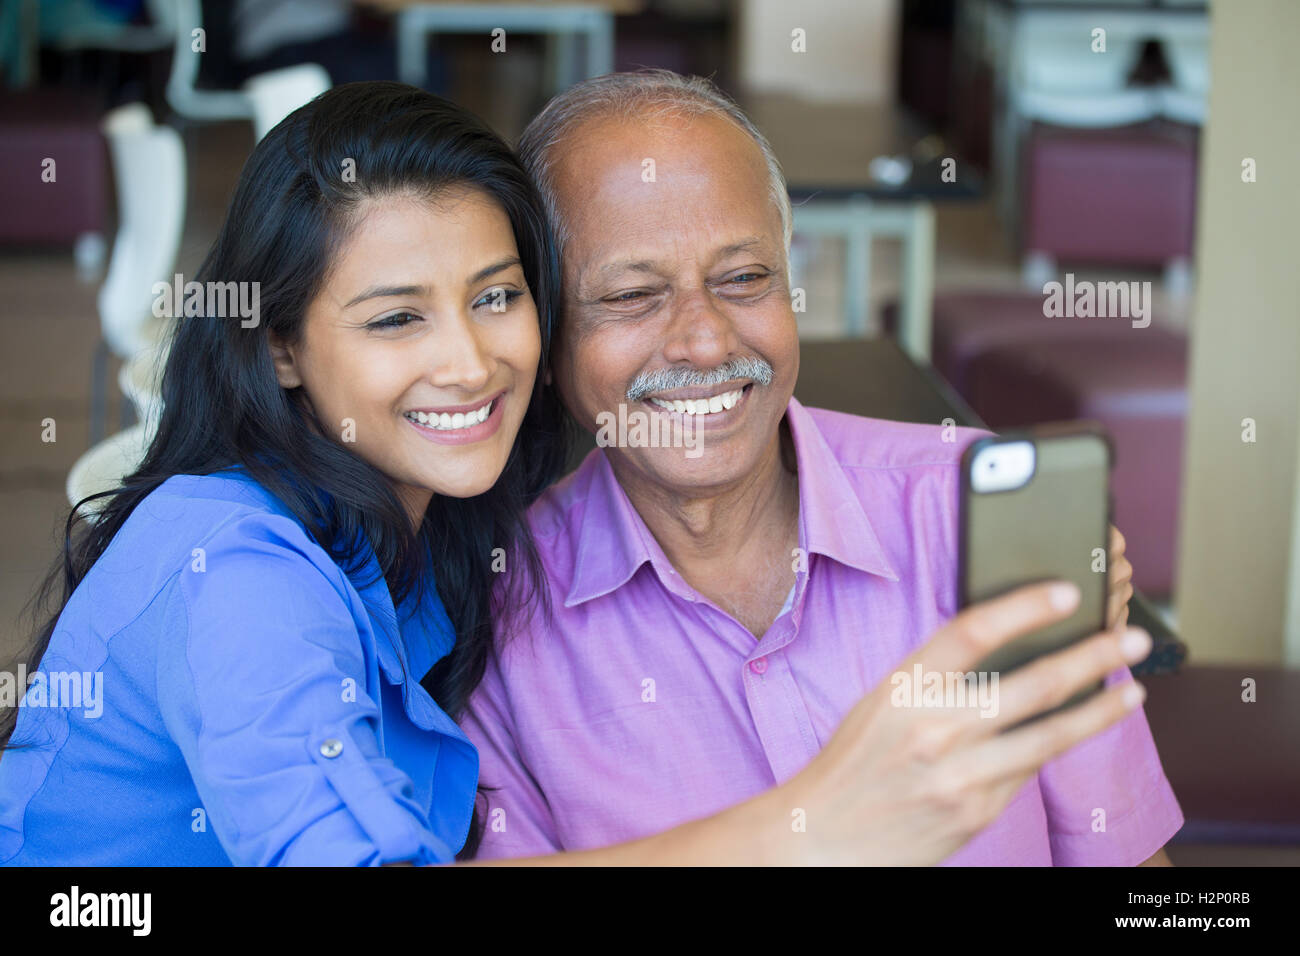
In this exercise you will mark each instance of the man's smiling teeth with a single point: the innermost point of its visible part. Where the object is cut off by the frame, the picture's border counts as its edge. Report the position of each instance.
(445, 422)
(701, 406)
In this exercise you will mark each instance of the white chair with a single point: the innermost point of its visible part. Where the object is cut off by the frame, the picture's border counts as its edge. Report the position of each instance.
(276, 94)
(1118, 108)
(104, 466)
(140, 381)
(1065, 63)
(191, 103)
(1189, 61)
(149, 173)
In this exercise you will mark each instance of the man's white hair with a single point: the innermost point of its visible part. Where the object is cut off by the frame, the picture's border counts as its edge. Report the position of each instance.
(642, 97)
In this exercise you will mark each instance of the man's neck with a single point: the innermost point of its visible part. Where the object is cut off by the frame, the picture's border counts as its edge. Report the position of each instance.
(733, 544)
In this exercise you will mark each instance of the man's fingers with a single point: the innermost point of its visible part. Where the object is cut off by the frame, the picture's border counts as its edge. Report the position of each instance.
(1120, 578)
(1053, 679)
(1117, 603)
(1024, 750)
(1120, 568)
(1121, 572)
(969, 637)
(1118, 543)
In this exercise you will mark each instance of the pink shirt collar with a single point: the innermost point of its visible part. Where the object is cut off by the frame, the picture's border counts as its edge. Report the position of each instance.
(614, 541)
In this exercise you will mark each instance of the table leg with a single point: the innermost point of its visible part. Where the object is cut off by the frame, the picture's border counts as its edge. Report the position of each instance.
(857, 268)
(412, 50)
(600, 44)
(561, 59)
(918, 282)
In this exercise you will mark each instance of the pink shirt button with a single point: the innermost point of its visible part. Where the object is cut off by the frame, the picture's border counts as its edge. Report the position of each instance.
(759, 666)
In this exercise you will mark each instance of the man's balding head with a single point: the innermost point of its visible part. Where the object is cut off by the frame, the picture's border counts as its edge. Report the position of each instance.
(642, 97)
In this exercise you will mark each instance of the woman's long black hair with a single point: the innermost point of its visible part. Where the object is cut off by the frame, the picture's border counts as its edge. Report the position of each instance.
(293, 207)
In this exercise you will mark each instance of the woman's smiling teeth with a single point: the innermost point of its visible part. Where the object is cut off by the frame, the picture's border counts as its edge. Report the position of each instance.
(445, 422)
(701, 406)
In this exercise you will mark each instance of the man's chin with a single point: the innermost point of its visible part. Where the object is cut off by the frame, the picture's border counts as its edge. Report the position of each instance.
(687, 471)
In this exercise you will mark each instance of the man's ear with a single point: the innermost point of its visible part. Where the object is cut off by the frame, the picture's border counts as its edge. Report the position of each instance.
(286, 368)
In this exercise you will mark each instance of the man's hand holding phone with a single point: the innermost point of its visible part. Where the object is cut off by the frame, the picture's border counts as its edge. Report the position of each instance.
(912, 785)
(1120, 581)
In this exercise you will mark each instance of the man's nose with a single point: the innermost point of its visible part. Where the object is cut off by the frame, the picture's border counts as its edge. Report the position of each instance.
(700, 332)
(458, 358)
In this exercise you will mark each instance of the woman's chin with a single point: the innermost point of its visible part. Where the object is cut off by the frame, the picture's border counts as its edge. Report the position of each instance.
(462, 486)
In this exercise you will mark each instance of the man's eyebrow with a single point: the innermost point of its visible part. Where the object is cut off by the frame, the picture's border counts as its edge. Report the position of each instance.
(744, 245)
(396, 291)
(645, 265)
(626, 265)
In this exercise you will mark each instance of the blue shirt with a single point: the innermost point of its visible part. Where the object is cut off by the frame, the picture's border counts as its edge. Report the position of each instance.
(256, 707)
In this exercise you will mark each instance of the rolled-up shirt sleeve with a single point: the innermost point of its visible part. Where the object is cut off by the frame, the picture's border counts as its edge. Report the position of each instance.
(265, 686)
(1108, 800)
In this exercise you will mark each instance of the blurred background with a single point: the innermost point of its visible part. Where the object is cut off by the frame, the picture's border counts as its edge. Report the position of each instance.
(949, 160)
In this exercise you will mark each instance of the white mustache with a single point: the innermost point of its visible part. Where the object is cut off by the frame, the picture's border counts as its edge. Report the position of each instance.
(666, 379)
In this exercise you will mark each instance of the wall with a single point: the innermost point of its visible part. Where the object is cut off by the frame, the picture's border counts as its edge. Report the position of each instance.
(1240, 550)
(851, 48)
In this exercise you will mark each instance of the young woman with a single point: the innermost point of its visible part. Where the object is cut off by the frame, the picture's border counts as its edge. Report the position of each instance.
(260, 639)
(264, 600)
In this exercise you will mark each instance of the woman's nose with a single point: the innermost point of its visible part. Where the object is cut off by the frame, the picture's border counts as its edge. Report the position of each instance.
(459, 359)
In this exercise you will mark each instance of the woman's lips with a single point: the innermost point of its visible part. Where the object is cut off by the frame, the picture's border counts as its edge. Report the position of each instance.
(464, 436)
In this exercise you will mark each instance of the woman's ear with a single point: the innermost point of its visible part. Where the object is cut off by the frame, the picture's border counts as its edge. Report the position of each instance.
(286, 368)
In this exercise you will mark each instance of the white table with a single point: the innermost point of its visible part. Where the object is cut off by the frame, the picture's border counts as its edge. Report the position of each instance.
(1043, 68)
(826, 150)
(857, 220)
(562, 24)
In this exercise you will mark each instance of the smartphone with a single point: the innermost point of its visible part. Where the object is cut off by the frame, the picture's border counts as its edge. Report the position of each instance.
(1036, 506)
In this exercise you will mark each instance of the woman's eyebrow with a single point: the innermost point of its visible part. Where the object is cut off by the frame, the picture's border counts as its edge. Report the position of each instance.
(493, 269)
(396, 291)
(386, 291)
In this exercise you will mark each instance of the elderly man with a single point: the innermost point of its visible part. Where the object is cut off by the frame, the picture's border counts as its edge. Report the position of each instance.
(715, 616)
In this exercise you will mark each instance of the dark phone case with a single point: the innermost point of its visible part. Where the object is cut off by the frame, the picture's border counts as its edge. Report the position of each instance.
(1046, 529)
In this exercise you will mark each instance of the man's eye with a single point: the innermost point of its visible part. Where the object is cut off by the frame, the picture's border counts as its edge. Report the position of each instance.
(499, 298)
(747, 277)
(393, 321)
(626, 296)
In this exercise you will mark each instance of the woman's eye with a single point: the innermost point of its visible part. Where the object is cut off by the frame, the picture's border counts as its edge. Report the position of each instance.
(393, 321)
(498, 299)
(627, 296)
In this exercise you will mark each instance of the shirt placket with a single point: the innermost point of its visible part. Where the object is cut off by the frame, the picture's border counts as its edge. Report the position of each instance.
(776, 706)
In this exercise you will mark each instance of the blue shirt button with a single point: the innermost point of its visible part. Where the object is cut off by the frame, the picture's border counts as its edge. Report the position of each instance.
(331, 748)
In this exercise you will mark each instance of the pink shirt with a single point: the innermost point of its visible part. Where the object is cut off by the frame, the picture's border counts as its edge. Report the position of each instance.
(648, 706)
